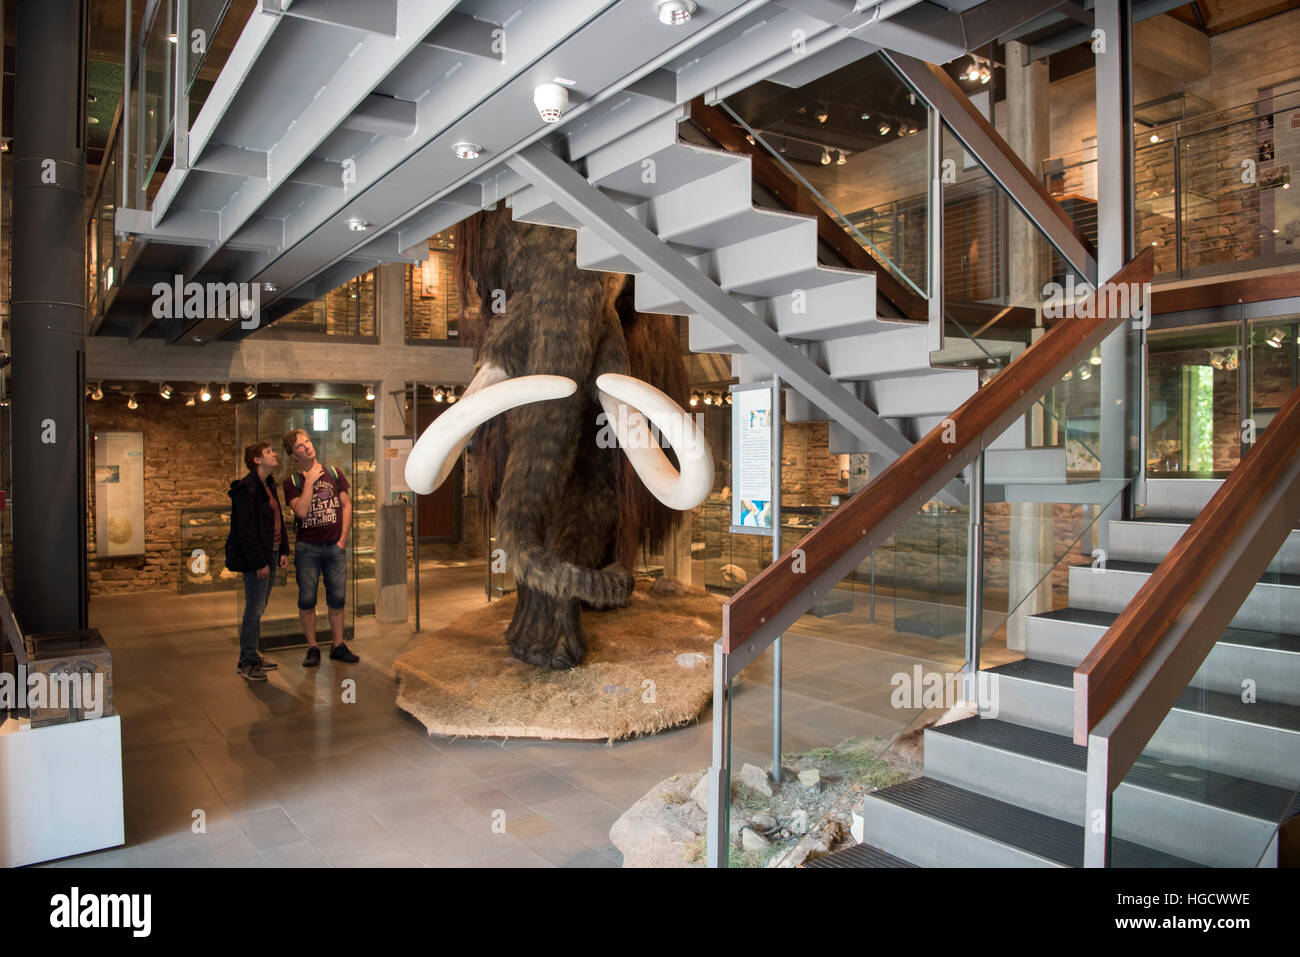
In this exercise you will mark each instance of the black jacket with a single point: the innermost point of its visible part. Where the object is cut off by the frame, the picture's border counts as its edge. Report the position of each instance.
(252, 526)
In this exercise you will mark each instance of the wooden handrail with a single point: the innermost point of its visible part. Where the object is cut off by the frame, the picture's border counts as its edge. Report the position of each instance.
(898, 491)
(796, 197)
(1102, 675)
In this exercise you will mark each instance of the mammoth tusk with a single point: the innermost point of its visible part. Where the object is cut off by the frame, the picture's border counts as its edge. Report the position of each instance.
(434, 455)
(620, 395)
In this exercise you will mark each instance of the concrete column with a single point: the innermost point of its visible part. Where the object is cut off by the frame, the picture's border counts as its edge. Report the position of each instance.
(49, 317)
(390, 554)
(1030, 544)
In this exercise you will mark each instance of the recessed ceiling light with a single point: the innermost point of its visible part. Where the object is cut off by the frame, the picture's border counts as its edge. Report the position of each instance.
(358, 225)
(467, 151)
(269, 287)
(674, 13)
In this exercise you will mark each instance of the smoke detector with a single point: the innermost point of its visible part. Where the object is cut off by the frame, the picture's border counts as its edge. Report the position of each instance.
(551, 101)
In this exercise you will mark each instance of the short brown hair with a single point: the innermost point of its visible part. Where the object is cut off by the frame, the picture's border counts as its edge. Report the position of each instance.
(254, 452)
(289, 440)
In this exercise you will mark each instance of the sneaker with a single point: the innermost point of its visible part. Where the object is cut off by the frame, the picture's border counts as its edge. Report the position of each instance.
(313, 657)
(340, 653)
(266, 663)
(252, 672)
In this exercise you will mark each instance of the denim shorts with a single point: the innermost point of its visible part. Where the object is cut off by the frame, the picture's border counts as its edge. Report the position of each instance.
(310, 562)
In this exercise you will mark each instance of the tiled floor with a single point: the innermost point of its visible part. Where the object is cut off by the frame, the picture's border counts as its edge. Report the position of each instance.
(220, 772)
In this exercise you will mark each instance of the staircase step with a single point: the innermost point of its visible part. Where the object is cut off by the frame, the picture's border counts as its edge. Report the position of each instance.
(1273, 601)
(840, 309)
(937, 392)
(1270, 659)
(1024, 466)
(935, 824)
(1150, 540)
(1210, 729)
(1215, 819)
(1181, 498)
(859, 855)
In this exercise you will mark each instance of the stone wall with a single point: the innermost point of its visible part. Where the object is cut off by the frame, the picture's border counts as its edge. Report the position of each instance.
(188, 462)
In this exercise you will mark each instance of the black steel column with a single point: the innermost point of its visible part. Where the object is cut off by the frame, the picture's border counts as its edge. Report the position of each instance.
(49, 316)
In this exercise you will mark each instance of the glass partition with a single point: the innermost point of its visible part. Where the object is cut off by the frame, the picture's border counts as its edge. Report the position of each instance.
(856, 139)
(348, 310)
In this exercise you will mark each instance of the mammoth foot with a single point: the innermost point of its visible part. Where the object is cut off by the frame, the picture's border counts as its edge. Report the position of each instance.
(546, 631)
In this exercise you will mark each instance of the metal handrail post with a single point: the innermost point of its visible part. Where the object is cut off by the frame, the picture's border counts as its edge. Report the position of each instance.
(181, 101)
(776, 555)
(975, 577)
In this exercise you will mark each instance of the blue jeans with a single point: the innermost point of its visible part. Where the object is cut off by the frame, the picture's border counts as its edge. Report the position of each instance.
(257, 591)
(310, 562)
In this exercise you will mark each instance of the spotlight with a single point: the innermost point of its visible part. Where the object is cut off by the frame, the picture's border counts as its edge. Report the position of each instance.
(165, 391)
(453, 395)
(171, 38)
(205, 395)
(467, 151)
(673, 13)
(884, 128)
(822, 116)
(985, 74)
(250, 391)
(439, 394)
(841, 158)
(1155, 137)
(130, 401)
(225, 392)
(1085, 373)
(1276, 339)
(1094, 360)
(695, 399)
(97, 393)
(826, 157)
(370, 393)
(189, 401)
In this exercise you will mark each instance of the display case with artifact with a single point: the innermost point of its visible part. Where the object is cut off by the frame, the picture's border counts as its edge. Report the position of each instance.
(203, 535)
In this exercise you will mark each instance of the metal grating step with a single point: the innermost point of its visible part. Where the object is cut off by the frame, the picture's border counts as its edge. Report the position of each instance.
(1186, 781)
(859, 855)
(1027, 831)
(1213, 703)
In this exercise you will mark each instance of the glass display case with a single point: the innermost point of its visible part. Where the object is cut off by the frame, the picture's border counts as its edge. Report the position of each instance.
(364, 512)
(337, 430)
(203, 534)
(928, 558)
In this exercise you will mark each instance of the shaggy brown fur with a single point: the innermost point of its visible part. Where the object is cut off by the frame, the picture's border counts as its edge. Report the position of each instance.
(569, 514)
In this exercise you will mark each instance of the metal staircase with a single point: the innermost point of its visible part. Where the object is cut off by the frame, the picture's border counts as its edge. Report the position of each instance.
(1211, 788)
(699, 201)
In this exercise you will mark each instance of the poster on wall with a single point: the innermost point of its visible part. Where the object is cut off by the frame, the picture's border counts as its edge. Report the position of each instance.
(751, 458)
(119, 494)
(396, 452)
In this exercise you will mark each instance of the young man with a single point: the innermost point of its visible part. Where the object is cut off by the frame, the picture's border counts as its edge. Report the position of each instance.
(256, 545)
(318, 495)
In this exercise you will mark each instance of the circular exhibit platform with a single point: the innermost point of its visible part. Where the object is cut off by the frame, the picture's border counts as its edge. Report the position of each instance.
(649, 667)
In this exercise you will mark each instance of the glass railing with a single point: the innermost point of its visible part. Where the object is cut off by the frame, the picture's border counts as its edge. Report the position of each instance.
(838, 154)
(432, 294)
(348, 310)
(1212, 192)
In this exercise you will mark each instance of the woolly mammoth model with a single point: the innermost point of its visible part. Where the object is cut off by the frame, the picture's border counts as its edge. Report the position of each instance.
(567, 347)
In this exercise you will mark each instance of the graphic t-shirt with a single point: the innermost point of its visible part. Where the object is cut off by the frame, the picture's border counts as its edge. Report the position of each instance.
(324, 522)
